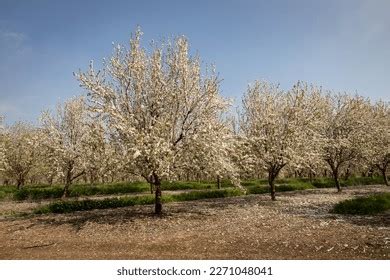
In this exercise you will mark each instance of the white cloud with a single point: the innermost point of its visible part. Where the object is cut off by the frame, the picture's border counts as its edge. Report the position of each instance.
(13, 43)
(9, 38)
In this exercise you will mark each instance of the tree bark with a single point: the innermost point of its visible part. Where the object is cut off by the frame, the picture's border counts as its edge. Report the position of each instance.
(347, 174)
(158, 193)
(371, 172)
(271, 182)
(68, 182)
(20, 182)
(335, 172)
(272, 188)
(383, 171)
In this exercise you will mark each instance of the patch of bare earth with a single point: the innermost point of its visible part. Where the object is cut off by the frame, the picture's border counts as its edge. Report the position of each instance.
(297, 226)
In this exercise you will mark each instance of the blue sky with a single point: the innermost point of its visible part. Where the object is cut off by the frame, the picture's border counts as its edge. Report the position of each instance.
(342, 45)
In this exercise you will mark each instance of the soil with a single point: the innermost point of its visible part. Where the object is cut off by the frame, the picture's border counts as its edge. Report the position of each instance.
(296, 226)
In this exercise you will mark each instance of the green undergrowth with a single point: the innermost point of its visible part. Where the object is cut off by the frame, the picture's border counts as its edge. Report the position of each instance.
(7, 192)
(352, 181)
(36, 193)
(85, 205)
(193, 185)
(373, 204)
(257, 186)
(39, 192)
(282, 185)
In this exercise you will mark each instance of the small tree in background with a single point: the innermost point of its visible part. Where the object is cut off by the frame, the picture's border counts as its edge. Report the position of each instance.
(20, 151)
(345, 132)
(378, 154)
(280, 127)
(64, 135)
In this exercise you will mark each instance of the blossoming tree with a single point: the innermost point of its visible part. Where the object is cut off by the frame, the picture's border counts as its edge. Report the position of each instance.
(64, 136)
(378, 154)
(159, 103)
(345, 131)
(20, 143)
(279, 127)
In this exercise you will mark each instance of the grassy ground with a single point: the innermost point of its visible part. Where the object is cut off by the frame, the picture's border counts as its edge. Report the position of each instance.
(297, 226)
(39, 192)
(117, 202)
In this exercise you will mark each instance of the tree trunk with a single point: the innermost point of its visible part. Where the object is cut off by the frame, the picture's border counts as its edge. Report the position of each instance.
(66, 190)
(50, 180)
(68, 182)
(383, 171)
(157, 190)
(158, 203)
(272, 188)
(336, 178)
(271, 182)
(347, 174)
(218, 182)
(20, 182)
(371, 172)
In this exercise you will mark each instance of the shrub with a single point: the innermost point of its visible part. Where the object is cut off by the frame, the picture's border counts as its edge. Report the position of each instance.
(372, 204)
(38, 193)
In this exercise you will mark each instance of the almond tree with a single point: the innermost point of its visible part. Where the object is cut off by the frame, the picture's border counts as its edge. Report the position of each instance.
(159, 104)
(345, 131)
(64, 136)
(379, 151)
(20, 142)
(279, 127)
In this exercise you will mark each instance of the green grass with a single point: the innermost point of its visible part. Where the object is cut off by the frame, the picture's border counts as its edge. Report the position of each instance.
(257, 186)
(51, 192)
(85, 205)
(194, 185)
(352, 181)
(369, 205)
(36, 193)
(7, 192)
(282, 185)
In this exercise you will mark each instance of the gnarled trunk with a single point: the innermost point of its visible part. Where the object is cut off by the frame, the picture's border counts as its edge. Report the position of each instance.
(335, 173)
(20, 183)
(383, 168)
(334, 167)
(158, 193)
(218, 182)
(383, 171)
(68, 182)
(272, 174)
(272, 188)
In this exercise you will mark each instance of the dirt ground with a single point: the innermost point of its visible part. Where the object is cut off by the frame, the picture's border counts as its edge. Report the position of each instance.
(296, 226)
